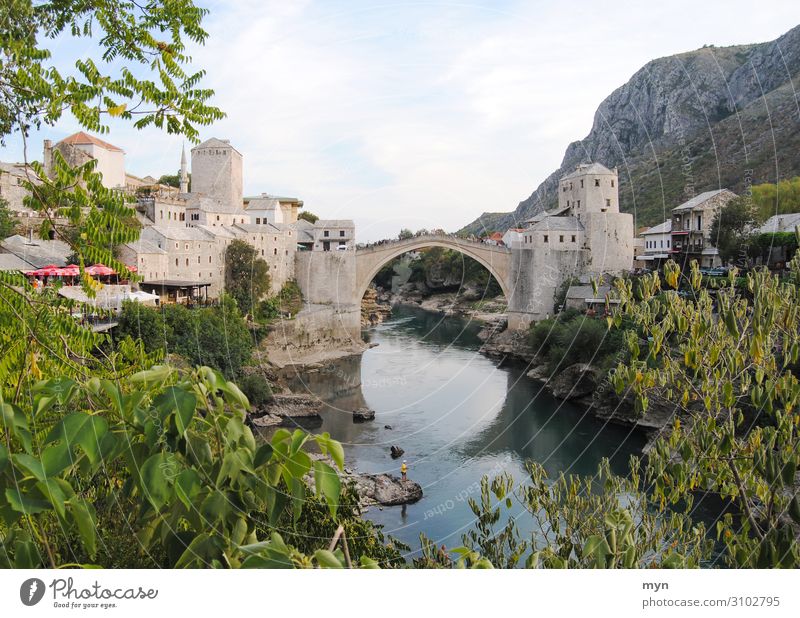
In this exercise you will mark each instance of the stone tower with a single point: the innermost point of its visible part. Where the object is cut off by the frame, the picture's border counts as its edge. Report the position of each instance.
(217, 172)
(184, 174)
(591, 195)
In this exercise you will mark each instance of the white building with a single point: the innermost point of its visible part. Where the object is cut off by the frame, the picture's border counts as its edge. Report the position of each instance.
(81, 147)
(691, 228)
(657, 244)
(333, 235)
(264, 209)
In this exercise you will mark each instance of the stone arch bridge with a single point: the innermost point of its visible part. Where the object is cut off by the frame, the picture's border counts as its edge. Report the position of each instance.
(369, 260)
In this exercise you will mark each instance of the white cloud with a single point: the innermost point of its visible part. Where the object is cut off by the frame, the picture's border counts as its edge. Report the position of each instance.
(412, 115)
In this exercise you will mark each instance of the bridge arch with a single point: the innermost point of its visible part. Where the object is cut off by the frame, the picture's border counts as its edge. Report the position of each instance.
(495, 259)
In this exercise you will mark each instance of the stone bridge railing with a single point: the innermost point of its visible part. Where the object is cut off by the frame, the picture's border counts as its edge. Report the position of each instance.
(427, 240)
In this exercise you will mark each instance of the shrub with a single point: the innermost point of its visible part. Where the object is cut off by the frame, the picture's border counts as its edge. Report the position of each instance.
(256, 388)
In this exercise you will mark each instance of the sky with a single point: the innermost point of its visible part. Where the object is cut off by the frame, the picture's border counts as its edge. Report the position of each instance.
(417, 114)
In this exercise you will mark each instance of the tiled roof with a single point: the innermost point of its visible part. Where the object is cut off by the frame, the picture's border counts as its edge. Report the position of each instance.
(587, 168)
(334, 223)
(215, 143)
(82, 137)
(176, 233)
(781, 223)
(697, 200)
(661, 228)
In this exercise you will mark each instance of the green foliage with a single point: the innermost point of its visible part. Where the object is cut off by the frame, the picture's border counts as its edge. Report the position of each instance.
(605, 521)
(286, 303)
(780, 199)
(142, 76)
(174, 180)
(731, 228)
(246, 275)
(257, 389)
(405, 234)
(8, 222)
(574, 338)
(215, 336)
(761, 245)
(729, 368)
(308, 216)
(440, 264)
(173, 444)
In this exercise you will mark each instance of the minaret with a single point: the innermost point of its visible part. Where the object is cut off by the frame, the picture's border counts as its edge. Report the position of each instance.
(184, 173)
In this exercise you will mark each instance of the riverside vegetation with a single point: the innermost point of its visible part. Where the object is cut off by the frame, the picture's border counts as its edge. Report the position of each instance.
(110, 457)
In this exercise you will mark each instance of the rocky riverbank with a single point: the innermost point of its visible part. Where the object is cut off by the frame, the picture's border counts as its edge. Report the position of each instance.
(582, 384)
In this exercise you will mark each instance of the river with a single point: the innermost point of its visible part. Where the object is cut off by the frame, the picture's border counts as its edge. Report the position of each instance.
(457, 414)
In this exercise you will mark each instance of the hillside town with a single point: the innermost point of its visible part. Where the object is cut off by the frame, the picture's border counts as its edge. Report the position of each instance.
(185, 230)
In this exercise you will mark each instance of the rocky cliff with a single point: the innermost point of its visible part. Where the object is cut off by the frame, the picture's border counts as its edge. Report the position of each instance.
(710, 118)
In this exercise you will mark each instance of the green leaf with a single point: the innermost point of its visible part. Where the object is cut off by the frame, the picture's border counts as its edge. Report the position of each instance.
(187, 486)
(328, 485)
(24, 503)
(262, 456)
(181, 402)
(85, 430)
(84, 517)
(327, 560)
(155, 484)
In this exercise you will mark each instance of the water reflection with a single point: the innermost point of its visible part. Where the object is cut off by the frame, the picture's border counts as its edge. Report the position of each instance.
(456, 414)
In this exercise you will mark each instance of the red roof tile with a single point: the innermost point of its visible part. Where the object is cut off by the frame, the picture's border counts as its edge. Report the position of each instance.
(84, 138)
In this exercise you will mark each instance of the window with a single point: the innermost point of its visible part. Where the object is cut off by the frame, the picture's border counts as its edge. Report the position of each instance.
(567, 202)
(699, 221)
(187, 261)
(560, 238)
(545, 238)
(287, 252)
(176, 245)
(667, 244)
(581, 183)
(662, 244)
(258, 220)
(217, 217)
(275, 251)
(612, 182)
(209, 259)
(186, 247)
(341, 233)
(262, 252)
(326, 233)
(573, 238)
(596, 182)
(169, 215)
(579, 203)
(608, 203)
(176, 261)
(161, 213)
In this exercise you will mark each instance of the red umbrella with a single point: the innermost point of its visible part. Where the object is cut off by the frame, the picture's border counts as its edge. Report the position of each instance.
(100, 270)
(47, 271)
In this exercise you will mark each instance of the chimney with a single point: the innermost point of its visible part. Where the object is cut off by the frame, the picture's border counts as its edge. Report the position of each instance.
(47, 155)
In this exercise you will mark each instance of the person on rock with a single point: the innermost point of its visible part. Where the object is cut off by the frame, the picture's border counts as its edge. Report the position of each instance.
(404, 470)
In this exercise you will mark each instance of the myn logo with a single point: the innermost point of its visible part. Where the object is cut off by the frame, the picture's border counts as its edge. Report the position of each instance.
(31, 591)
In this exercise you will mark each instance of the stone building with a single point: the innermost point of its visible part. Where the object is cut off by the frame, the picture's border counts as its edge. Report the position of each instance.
(333, 235)
(585, 235)
(264, 209)
(691, 228)
(657, 245)
(81, 147)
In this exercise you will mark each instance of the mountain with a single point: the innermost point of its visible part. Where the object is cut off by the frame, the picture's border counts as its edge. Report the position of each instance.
(717, 117)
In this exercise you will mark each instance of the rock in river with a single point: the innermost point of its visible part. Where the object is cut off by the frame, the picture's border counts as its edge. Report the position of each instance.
(575, 381)
(287, 410)
(386, 489)
(363, 414)
(396, 452)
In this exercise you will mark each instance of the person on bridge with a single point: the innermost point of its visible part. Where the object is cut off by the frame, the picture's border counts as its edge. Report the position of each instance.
(404, 470)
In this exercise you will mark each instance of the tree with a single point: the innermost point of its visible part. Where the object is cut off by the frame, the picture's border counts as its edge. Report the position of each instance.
(8, 222)
(246, 275)
(405, 234)
(728, 368)
(731, 228)
(174, 180)
(308, 216)
(777, 199)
